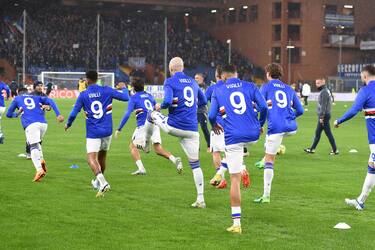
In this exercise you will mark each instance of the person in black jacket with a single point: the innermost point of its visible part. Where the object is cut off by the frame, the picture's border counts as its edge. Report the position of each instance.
(203, 111)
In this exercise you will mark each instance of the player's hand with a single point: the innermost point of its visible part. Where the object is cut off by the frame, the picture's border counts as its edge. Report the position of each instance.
(46, 107)
(66, 127)
(218, 129)
(157, 107)
(336, 124)
(60, 118)
(321, 121)
(117, 134)
(261, 130)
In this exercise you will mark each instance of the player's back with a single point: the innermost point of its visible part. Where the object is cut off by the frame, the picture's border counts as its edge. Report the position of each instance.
(280, 97)
(31, 108)
(97, 104)
(143, 102)
(183, 111)
(235, 99)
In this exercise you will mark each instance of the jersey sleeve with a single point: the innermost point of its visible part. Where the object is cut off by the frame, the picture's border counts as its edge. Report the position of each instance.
(214, 109)
(297, 106)
(263, 91)
(209, 92)
(76, 109)
(261, 106)
(7, 90)
(168, 96)
(11, 109)
(202, 100)
(122, 95)
(359, 102)
(50, 102)
(130, 109)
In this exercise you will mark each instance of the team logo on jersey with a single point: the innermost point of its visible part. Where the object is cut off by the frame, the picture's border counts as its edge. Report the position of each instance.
(269, 104)
(175, 102)
(255, 107)
(369, 113)
(222, 112)
(109, 109)
(138, 112)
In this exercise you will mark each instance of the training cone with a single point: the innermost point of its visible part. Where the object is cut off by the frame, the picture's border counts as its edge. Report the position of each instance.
(342, 226)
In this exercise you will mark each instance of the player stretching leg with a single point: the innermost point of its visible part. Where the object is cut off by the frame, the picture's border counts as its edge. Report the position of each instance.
(31, 109)
(283, 109)
(181, 93)
(142, 102)
(5, 87)
(242, 128)
(96, 101)
(365, 100)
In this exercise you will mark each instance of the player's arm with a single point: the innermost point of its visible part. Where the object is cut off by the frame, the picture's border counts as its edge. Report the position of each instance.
(357, 106)
(122, 95)
(202, 100)
(52, 104)
(11, 109)
(212, 114)
(7, 90)
(261, 106)
(297, 106)
(168, 97)
(209, 93)
(127, 115)
(76, 109)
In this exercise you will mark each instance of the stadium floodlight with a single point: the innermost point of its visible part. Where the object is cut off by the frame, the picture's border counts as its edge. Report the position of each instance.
(186, 14)
(69, 80)
(229, 41)
(139, 11)
(348, 6)
(290, 47)
(245, 7)
(213, 11)
(231, 8)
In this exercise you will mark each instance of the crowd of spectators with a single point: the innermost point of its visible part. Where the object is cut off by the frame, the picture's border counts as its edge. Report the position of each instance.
(65, 37)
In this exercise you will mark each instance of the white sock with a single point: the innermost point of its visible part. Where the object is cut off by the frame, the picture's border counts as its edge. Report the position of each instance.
(268, 176)
(236, 216)
(172, 159)
(367, 186)
(41, 152)
(140, 166)
(198, 179)
(35, 157)
(101, 179)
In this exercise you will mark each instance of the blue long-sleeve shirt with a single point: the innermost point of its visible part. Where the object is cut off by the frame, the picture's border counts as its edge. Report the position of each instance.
(365, 101)
(234, 100)
(209, 92)
(96, 101)
(3, 86)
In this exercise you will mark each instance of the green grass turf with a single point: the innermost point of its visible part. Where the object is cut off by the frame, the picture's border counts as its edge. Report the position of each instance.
(153, 211)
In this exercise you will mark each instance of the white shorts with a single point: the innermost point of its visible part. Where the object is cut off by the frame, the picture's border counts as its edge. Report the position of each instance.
(139, 135)
(372, 153)
(2, 111)
(234, 156)
(35, 132)
(189, 140)
(274, 141)
(94, 145)
(217, 142)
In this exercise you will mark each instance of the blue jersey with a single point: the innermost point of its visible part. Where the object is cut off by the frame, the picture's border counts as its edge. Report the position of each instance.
(141, 102)
(209, 93)
(283, 107)
(182, 96)
(234, 100)
(30, 108)
(3, 87)
(365, 100)
(96, 101)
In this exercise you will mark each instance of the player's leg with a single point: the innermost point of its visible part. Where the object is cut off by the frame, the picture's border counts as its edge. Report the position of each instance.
(190, 144)
(154, 118)
(27, 149)
(33, 135)
(217, 145)
(138, 138)
(318, 133)
(368, 184)
(102, 156)
(328, 132)
(2, 110)
(43, 130)
(234, 156)
(273, 142)
(93, 147)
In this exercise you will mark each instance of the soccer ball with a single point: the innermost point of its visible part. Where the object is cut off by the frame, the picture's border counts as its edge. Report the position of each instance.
(281, 150)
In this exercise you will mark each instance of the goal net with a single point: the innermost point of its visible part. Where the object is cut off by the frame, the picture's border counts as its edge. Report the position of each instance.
(69, 80)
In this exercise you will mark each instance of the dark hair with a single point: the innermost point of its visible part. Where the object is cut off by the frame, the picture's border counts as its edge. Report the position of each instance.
(229, 68)
(37, 83)
(275, 70)
(138, 84)
(92, 75)
(219, 70)
(370, 69)
(22, 90)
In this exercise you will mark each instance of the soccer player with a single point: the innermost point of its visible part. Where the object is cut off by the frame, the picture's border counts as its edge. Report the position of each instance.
(234, 100)
(96, 101)
(31, 109)
(365, 100)
(181, 93)
(143, 102)
(283, 109)
(3, 87)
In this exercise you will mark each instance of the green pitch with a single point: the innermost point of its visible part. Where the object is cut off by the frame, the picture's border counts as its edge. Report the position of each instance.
(153, 211)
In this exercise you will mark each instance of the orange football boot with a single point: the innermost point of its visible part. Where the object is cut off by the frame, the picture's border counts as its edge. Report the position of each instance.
(44, 165)
(39, 175)
(222, 184)
(246, 182)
